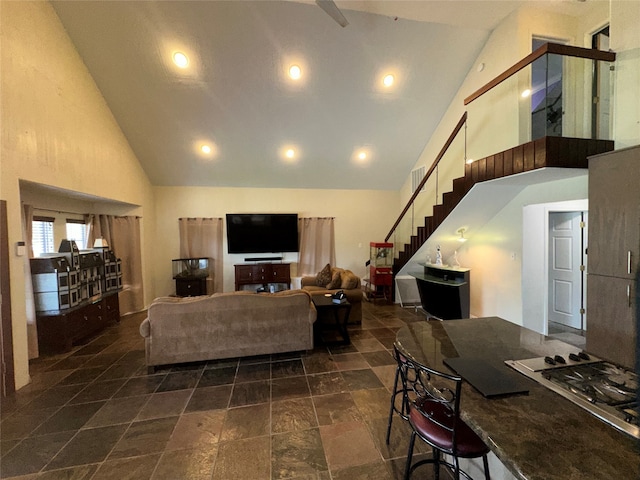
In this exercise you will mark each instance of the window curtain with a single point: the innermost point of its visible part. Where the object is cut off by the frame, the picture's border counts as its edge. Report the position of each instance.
(100, 226)
(317, 244)
(200, 238)
(32, 328)
(123, 237)
(124, 240)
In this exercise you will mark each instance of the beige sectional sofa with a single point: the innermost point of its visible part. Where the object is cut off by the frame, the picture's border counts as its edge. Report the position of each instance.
(330, 280)
(226, 325)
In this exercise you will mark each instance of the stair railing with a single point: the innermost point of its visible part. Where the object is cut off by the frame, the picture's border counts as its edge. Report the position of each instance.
(434, 169)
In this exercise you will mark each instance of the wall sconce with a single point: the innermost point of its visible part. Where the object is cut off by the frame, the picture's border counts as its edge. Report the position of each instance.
(460, 232)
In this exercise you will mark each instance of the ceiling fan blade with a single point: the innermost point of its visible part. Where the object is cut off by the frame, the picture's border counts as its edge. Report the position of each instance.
(333, 11)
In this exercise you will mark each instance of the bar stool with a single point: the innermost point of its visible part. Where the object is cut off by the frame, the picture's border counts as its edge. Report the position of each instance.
(399, 388)
(434, 416)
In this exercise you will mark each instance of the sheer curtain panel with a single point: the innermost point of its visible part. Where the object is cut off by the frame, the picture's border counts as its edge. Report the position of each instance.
(317, 244)
(202, 238)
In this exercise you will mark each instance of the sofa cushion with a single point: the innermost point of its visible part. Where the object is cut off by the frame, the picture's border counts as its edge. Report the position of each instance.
(348, 280)
(324, 276)
(336, 280)
(145, 328)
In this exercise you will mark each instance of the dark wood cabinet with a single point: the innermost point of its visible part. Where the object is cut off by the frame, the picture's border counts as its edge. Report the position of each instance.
(614, 199)
(613, 255)
(611, 326)
(191, 287)
(263, 274)
(59, 330)
(191, 276)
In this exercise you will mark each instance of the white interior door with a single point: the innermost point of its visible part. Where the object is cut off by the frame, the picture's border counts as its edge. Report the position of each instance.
(565, 272)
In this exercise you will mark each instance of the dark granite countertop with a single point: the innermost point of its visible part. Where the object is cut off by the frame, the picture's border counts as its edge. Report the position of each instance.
(539, 435)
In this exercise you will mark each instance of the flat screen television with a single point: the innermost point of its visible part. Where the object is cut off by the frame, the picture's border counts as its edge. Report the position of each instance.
(262, 232)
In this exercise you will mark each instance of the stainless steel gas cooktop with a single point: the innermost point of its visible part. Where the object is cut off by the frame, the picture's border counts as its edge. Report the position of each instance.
(603, 389)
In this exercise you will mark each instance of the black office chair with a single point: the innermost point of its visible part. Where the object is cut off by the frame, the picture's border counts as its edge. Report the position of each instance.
(399, 388)
(434, 416)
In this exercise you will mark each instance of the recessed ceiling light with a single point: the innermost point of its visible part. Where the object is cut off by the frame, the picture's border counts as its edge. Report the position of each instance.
(205, 148)
(526, 93)
(362, 155)
(388, 80)
(180, 59)
(295, 72)
(290, 153)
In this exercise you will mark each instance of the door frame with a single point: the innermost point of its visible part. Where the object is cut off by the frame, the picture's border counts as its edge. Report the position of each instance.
(535, 261)
(596, 83)
(7, 368)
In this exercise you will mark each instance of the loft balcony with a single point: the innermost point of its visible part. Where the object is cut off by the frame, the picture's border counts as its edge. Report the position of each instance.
(537, 122)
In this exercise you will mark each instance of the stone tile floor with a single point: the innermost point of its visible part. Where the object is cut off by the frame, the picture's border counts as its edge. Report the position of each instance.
(97, 414)
(569, 335)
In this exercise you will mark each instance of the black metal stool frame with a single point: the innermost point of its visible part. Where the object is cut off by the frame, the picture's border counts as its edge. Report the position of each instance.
(402, 374)
(437, 400)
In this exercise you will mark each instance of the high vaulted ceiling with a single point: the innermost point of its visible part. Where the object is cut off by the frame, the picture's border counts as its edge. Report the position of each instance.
(237, 97)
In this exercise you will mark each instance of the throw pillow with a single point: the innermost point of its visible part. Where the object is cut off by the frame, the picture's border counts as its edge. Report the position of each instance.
(324, 276)
(335, 279)
(348, 280)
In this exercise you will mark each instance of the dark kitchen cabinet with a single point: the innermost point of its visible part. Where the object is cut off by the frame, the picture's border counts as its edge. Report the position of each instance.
(614, 199)
(611, 326)
(612, 255)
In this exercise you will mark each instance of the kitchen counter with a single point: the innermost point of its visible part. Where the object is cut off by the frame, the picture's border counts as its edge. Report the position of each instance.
(539, 435)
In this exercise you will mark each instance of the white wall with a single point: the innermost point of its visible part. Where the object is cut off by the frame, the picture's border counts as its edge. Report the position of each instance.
(57, 131)
(495, 253)
(361, 216)
(509, 43)
(535, 264)
(625, 41)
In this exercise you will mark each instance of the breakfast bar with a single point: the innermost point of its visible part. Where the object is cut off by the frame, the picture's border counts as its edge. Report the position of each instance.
(536, 433)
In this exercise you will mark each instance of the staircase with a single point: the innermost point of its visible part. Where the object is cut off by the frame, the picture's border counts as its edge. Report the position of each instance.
(557, 152)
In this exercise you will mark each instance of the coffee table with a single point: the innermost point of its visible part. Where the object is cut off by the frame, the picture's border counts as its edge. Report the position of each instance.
(339, 311)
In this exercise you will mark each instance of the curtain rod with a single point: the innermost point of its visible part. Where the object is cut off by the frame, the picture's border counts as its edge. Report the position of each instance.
(78, 213)
(203, 218)
(56, 211)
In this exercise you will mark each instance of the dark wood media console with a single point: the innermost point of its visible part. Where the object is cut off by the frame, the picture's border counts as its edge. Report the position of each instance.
(262, 274)
(59, 330)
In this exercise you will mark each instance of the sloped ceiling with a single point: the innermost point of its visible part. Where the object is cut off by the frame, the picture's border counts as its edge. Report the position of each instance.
(236, 95)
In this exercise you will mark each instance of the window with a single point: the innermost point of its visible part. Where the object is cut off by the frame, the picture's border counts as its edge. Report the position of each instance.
(42, 235)
(77, 230)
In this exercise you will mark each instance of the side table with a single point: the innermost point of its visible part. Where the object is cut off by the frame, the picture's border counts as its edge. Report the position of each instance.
(339, 311)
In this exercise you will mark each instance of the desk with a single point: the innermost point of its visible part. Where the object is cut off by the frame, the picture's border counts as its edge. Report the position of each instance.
(536, 436)
(325, 307)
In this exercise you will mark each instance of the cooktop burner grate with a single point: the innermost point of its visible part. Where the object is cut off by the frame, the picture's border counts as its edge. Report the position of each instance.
(605, 390)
